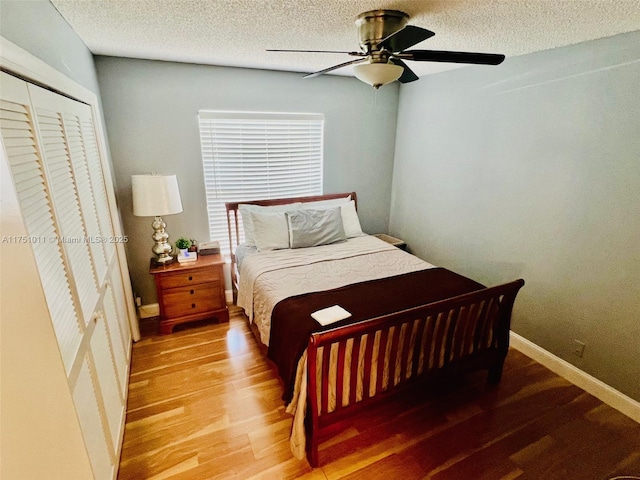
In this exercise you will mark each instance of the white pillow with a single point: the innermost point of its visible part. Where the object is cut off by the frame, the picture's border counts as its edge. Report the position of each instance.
(247, 222)
(270, 230)
(324, 204)
(350, 220)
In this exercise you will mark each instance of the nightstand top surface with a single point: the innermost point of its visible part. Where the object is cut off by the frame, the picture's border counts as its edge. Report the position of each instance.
(175, 266)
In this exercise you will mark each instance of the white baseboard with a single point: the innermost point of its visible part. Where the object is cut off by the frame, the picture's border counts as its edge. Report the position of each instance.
(148, 311)
(592, 385)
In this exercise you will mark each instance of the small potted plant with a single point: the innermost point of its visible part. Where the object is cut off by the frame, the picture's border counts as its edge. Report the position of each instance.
(183, 245)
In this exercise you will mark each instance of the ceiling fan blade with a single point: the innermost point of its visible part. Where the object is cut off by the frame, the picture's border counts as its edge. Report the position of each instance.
(404, 38)
(354, 54)
(408, 75)
(453, 57)
(335, 67)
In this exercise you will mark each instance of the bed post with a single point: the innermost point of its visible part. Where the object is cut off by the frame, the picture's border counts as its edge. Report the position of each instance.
(504, 328)
(232, 246)
(312, 401)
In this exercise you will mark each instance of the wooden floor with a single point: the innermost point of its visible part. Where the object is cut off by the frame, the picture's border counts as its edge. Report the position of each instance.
(205, 404)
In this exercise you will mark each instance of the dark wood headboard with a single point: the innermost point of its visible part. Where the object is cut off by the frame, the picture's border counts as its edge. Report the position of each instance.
(233, 225)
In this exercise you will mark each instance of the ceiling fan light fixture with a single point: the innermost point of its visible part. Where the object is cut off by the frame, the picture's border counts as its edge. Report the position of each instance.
(377, 74)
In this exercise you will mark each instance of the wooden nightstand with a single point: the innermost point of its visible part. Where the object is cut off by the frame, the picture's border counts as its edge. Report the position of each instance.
(190, 291)
(396, 242)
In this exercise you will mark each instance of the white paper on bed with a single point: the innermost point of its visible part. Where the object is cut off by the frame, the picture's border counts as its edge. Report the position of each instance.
(330, 315)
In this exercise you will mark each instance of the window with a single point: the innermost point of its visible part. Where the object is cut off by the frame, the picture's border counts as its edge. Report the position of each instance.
(252, 156)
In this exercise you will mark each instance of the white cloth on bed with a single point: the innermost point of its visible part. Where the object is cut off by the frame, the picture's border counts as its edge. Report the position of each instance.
(330, 315)
(269, 277)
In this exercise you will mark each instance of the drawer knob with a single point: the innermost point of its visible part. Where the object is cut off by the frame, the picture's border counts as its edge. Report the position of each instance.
(192, 291)
(190, 278)
(193, 305)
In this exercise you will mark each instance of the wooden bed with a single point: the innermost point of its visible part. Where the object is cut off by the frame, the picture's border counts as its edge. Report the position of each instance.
(404, 328)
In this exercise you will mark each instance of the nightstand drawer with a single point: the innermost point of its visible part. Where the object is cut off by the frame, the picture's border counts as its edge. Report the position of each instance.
(192, 299)
(191, 277)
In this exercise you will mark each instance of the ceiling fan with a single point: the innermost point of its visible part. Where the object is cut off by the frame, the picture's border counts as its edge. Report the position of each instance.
(384, 39)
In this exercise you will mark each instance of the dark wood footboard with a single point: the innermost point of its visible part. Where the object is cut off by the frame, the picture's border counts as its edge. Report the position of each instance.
(353, 366)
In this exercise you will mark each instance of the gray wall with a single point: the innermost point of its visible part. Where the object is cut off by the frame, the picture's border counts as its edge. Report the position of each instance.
(37, 27)
(151, 112)
(532, 169)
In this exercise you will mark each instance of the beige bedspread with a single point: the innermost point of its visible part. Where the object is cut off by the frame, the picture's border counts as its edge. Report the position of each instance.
(269, 277)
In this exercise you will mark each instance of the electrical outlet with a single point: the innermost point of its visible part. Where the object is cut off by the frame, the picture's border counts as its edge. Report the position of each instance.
(578, 348)
(138, 302)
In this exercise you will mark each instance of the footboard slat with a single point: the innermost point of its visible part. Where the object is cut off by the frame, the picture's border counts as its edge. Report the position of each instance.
(427, 344)
(368, 362)
(458, 335)
(467, 332)
(442, 322)
(353, 380)
(407, 352)
(382, 351)
(324, 386)
(418, 346)
(340, 373)
(483, 333)
(393, 356)
(471, 322)
(451, 331)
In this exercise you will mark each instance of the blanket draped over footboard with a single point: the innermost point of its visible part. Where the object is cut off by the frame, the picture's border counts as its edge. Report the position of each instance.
(292, 324)
(350, 367)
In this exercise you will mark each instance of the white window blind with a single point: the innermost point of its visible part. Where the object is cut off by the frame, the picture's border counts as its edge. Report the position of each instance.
(252, 156)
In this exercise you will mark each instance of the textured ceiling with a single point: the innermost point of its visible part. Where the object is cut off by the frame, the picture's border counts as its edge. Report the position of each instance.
(237, 32)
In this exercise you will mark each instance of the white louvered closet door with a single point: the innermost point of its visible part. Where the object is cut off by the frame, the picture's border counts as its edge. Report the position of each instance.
(56, 151)
(52, 150)
(25, 160)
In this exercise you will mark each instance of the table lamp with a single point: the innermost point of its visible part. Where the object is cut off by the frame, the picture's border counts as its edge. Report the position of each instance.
(154, 196)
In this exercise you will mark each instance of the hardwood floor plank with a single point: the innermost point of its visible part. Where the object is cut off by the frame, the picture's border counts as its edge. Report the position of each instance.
(204, 403)
(519, 444)
(401, 466)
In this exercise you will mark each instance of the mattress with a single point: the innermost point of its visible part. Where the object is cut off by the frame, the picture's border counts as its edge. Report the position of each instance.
(266, 278)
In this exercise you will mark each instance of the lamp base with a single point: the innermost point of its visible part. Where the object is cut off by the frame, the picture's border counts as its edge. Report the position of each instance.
(162, 249)
(163, 260)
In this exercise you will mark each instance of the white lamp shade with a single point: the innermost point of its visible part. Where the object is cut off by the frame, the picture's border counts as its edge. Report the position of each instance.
(377, 74)
(155, 195)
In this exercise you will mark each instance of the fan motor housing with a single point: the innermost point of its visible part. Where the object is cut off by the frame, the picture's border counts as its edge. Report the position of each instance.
(376, 25)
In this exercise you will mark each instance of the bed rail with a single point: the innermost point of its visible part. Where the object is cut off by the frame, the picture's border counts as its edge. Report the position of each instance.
(352, 366)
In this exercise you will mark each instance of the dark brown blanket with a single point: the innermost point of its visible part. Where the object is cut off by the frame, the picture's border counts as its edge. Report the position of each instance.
(292, 324)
